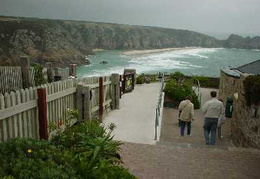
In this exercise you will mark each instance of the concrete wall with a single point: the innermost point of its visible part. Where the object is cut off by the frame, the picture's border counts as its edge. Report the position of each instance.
(245, 122)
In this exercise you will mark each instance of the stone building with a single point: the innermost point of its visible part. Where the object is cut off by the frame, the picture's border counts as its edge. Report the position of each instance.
(245, 120)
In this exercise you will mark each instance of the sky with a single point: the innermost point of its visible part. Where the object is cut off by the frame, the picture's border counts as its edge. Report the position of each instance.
(206, 16)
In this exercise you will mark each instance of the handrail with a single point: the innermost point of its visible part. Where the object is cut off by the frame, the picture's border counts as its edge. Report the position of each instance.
(198, 89)
(158, 108)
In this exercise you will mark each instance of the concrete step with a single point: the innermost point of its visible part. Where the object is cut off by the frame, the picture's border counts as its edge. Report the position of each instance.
(228, 147)
(191, 145)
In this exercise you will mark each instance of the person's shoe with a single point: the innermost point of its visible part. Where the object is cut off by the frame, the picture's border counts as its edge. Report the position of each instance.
(189, 134)
(221, 137)
(207, 143)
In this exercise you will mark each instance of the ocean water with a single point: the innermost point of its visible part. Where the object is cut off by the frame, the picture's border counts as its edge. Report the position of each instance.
(195, 61)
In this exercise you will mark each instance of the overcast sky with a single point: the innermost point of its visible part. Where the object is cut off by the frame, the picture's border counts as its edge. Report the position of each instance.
(206, 16)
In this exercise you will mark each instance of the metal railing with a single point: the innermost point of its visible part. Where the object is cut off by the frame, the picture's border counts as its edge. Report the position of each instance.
(197, 90)
(159, 108)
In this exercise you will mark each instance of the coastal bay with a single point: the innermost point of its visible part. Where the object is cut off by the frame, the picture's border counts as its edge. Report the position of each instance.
(190, 61)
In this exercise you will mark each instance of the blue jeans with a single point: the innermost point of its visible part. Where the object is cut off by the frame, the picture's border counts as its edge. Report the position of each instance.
(210, 126)
(183, 124)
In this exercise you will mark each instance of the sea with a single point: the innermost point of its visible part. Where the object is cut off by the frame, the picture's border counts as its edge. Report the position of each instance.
(189, 61)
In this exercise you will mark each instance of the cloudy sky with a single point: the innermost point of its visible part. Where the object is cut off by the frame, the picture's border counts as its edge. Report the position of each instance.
(206, 16)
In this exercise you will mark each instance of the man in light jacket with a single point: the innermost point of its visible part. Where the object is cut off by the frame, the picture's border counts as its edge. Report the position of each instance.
(186, 112)
(212, 109)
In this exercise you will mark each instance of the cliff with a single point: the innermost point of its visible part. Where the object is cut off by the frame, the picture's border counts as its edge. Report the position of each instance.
(63, 42)
(236, 41)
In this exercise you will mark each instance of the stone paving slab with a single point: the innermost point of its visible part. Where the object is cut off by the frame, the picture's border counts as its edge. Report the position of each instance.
(165, 162)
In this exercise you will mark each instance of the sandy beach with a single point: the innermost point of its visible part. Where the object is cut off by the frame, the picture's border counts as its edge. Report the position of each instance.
(97, 50)
(143, 52)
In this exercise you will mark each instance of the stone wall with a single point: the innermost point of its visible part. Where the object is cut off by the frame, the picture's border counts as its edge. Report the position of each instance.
(245, 121)
(228, 85)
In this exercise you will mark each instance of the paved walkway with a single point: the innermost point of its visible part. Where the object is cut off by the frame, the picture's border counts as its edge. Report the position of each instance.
(170, 130)
(168, 162)
(135, 119)
(174, 156)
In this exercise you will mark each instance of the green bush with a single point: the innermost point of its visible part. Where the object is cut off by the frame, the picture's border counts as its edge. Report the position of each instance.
(252, 90)
(204, 81)
(31, 158)
(140, 79)
(83, 151)
(38, 76)
(145, 79)
(178, 76)
(153, 78)
(179, 91)
(92, 144)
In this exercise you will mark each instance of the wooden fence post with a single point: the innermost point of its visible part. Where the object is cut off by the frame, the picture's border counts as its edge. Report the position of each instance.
(73, 70)
(49, 72)
(133, 81)
(79, 101)
(25, 68)
(115, 91)
(87, 103)
(101, 98)
(123, 83)
(120, 86)
(42, 113)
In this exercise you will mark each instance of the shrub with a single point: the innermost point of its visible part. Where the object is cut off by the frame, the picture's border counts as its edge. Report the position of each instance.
(252, 89)
(38, 76)
(209, 82)
(140, 79)
(179, 91)
(31, 158)
(83, 151)
(153, 78)
(92, 144)
(145, 79)
(178, 76)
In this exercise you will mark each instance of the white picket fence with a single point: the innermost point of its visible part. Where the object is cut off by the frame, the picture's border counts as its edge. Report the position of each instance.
(11, 78)
(93, 83)
(19, 111)
(63, 72)
(61, 96)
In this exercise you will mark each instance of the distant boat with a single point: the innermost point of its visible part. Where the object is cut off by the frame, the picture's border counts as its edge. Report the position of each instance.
(256, 50)
(103, 62)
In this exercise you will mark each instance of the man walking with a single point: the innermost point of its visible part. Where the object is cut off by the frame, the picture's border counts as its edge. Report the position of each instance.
(212, 109)
(186, 114)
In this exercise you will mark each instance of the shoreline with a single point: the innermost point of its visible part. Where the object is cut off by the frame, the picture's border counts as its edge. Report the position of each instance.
(151, 51)
(97, 50)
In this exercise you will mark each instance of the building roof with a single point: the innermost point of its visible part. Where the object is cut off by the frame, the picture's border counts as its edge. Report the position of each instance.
(252, 68)
(227, 70)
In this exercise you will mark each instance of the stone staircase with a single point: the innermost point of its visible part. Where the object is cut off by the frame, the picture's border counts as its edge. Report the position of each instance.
(191, 145)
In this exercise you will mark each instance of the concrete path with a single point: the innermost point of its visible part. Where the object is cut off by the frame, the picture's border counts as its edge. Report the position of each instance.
(135, 119)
